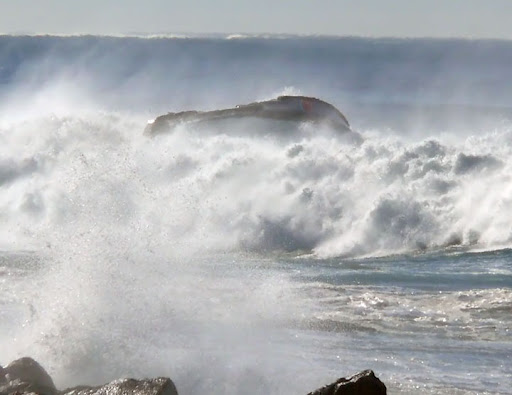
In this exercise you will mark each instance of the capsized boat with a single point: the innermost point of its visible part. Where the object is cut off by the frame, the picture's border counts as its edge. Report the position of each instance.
(287, 108)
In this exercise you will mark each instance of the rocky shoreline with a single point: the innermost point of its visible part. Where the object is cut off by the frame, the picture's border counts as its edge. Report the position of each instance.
(25, 375)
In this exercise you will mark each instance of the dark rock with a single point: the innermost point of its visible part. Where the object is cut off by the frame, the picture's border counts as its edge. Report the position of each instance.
(158, 386)
(289, 108)
(26, 375)
(363, 383)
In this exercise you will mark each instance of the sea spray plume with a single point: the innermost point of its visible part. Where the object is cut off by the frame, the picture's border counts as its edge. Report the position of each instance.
(120, 241)
(156, 257)
(155, 75)
(162, 72)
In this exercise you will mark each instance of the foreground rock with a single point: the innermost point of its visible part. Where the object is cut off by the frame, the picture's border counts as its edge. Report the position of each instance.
(364, 383)
(158, 386)
(26, 376)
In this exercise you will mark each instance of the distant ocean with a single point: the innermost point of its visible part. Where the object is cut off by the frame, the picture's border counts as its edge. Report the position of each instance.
(241, 264)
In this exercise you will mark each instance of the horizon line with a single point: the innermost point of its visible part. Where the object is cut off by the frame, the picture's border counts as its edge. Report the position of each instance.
(242, 35)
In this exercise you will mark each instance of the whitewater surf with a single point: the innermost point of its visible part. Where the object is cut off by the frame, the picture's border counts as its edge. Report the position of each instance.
(234, 260)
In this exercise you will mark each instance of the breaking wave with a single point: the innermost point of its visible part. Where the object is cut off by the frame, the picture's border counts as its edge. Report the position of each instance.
(73, 108)
(316, 194)
(126, 255)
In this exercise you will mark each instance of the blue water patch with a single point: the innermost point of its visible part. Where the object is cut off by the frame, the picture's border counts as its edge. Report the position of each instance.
(439, 271)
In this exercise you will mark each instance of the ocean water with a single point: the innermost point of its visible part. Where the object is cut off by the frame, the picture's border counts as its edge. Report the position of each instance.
(240, 263)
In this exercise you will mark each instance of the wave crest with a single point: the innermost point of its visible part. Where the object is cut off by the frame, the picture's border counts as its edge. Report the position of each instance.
(219, 191)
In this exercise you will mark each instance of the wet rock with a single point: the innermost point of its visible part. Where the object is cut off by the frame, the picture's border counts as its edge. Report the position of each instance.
(363, 383)
(26, 375)
(2, 375)
(158, 386)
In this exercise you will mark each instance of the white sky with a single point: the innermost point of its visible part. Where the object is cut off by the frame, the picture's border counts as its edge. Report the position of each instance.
(398, 18)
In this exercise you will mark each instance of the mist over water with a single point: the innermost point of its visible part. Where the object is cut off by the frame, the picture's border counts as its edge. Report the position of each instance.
(233, 260)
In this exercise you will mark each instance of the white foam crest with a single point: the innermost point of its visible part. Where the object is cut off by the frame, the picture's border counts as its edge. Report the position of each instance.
(226, 192)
